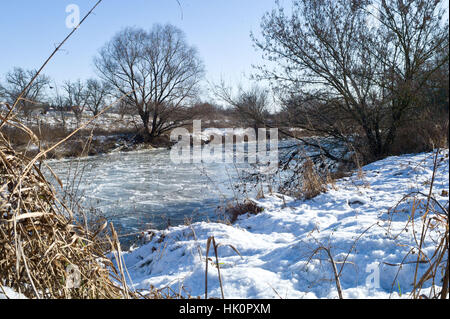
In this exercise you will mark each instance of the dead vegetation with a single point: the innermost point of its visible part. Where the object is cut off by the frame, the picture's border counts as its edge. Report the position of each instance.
(41, 239)
(313, 184)
(247, 207)
(46, 251)
(307, 179)
(49, 135)
(212, 242)
(43, 243)
(428, 253)
(433, 217)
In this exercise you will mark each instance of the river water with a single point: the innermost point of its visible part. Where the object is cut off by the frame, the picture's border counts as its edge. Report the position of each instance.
(144, 189)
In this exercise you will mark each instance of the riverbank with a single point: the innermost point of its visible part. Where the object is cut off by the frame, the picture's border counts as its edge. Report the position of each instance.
(364, 222)
(85, 144)
(107, 134)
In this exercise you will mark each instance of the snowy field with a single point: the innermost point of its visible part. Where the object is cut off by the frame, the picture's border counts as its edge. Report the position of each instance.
(357, 219)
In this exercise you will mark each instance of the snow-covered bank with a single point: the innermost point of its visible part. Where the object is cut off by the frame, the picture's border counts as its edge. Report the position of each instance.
(355, 217)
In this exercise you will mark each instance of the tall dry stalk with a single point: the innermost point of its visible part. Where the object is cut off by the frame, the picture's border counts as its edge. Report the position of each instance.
(434, 231)
(212, 241)
(39, 237)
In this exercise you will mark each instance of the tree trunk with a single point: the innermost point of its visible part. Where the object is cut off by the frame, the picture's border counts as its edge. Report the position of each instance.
(146, 134)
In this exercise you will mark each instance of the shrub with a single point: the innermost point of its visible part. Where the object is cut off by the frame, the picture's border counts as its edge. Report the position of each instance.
(247, 207)
(312, 182)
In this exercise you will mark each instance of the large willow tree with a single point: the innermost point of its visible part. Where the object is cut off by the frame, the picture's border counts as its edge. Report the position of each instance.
(157, 71)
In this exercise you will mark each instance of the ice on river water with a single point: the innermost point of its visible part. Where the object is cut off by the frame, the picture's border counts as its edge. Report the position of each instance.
(145, 189)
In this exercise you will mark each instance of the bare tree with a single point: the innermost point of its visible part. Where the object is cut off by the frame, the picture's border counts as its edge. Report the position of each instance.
(58, 104)
(250, 106)
(97, 95)
(209, 111)
(16, 81)
(124, 108)
(352, 69)
(157, 70)
(3, 94)
(76, 98)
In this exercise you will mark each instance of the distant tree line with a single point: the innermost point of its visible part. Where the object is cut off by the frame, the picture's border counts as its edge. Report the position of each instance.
(91, 95)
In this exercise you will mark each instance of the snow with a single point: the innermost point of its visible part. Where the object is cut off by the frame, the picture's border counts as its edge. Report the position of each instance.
(358, 219)
(108, 121)
(8, 293)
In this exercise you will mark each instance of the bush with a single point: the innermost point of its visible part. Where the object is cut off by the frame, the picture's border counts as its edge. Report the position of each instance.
(247, 207)
(312, 182)
(423, 134)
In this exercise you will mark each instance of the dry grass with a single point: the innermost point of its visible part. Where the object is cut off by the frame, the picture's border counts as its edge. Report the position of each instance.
(313, 183)
(434, 217)
(49, 135)
(43, 132)
(45, 250)
(308, 176)
(247, 207)
(212, 242)
(327, 248)
(40, 238)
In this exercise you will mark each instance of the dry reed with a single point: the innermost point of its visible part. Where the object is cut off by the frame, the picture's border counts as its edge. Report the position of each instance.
(45, 252)
(40, 238)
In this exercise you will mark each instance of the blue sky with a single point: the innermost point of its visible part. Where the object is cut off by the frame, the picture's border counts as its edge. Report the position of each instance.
(220, 29)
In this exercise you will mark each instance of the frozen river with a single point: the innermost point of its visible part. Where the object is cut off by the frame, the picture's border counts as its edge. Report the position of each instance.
(145, 189)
